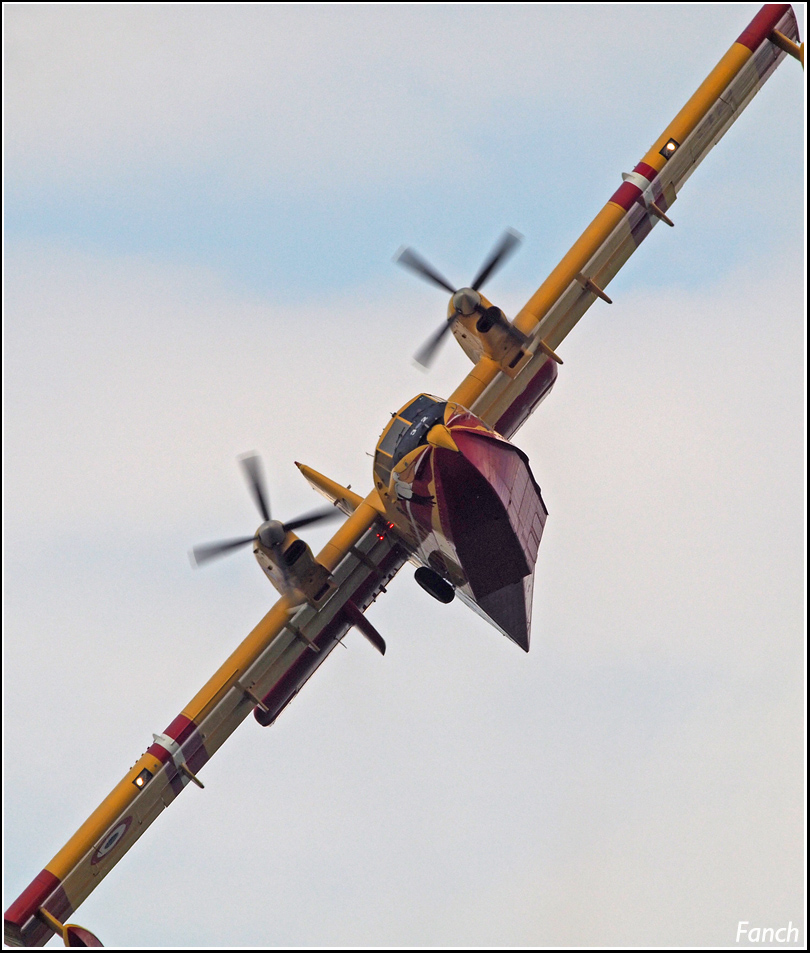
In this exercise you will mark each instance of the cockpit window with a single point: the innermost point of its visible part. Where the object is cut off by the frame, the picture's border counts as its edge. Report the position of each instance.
(416, 433)
(382, 467)
(417, 407)
(389, 441)
(407, 431)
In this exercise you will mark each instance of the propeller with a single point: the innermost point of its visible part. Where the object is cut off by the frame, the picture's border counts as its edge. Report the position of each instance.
(466, 301)
(271, 533)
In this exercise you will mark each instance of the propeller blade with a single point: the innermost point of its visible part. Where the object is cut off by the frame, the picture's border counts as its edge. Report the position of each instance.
(309, 518)
(510, 240)
(425, 355)
(252, 466)
(202, 554)
(409, 259)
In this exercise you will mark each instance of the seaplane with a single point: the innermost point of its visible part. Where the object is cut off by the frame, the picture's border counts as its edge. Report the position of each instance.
(450, 493)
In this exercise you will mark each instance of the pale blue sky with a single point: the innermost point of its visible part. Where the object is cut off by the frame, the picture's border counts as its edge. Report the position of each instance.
(202, 204)
(288, 148)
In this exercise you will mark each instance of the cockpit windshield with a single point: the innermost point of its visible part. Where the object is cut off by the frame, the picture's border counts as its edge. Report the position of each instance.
(407, 431)
(425, 417)
(418, 406)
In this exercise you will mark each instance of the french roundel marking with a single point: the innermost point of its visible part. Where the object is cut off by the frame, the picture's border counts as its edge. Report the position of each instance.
(111, 840)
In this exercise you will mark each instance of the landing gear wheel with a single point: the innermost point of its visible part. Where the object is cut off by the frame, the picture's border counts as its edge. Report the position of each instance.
(433, 583)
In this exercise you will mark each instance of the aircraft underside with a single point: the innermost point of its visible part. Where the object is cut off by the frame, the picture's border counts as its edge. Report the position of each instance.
(468, 501)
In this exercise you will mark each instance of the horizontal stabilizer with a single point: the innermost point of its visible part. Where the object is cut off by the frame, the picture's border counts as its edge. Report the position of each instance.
(342, 496)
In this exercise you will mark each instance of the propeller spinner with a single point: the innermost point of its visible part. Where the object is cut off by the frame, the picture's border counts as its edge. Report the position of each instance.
(465, 301)
(272, 533)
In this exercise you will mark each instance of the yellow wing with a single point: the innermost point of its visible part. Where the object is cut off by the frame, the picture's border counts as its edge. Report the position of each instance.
(262, 675)
(271, 665)
(635, 208)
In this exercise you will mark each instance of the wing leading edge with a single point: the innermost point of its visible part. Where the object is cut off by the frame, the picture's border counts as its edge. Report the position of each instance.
(262, 675)
(635, 208)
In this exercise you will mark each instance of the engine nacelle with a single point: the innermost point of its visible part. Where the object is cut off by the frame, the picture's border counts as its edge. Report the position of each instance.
(293, 570)
(482, 329)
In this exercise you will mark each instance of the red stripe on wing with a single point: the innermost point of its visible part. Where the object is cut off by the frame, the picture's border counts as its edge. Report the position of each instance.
(626, 195)
(763, 24)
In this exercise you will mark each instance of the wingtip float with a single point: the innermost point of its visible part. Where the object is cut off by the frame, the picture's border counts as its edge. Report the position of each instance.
(450, 491)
